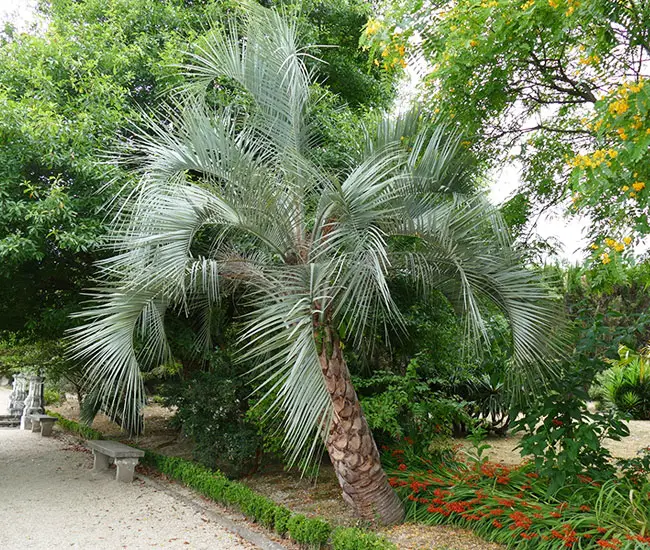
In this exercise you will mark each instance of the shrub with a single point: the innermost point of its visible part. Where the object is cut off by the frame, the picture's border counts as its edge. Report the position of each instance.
(311, 532)
(282, 516)
(351, 538)
(626, 385)
(565, 439)
(407, 408)
(211, 408)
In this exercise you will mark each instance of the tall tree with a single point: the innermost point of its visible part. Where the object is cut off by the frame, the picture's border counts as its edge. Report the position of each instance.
(68, 92)
(558, 83)
(234, 197)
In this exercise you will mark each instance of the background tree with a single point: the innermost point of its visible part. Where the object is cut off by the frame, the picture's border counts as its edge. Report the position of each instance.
(69, 93)
(235, 197)
(557, 84)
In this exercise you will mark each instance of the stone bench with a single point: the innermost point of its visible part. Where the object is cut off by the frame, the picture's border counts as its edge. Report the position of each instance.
(42, 423)
(125, 458)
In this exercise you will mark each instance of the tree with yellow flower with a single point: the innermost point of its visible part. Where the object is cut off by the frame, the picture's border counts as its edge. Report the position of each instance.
(558, 82)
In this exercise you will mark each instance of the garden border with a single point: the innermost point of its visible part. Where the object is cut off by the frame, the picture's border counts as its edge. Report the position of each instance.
(309, 532)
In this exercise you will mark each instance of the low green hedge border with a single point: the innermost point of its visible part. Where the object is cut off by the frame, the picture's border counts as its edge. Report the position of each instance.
(309, 532)
(71, 426)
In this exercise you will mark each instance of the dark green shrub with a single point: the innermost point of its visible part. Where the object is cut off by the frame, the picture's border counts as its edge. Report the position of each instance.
(351, 538)
(282, 516)
(211, 408)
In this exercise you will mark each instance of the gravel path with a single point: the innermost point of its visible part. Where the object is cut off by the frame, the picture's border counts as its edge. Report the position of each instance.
(50, 499)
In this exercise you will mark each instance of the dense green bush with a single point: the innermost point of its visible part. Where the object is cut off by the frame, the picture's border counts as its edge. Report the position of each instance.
(211, 407)
(407, 407)
(565, 439)
(626, 385)
(310, 532)
(610, 306)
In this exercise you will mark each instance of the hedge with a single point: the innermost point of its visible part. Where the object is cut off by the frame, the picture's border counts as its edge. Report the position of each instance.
(71, 426)
(309, 532)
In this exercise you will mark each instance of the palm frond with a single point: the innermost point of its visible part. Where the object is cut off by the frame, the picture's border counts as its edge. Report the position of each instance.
(279, 339)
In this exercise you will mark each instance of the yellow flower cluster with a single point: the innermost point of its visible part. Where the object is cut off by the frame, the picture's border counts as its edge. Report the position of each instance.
(619, 107)
(528, 4)
(594, 160)
(638, 186)
(636, 122)
(631, 87)
(554, 3)
(490, 4)
(590, 60)
(372, 27)
(613, 245)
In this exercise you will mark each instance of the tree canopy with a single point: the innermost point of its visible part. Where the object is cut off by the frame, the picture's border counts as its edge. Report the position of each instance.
(69, 94)
(559, 84)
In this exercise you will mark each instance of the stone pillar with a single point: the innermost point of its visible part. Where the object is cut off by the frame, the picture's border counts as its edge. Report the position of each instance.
(33, 403)
(18, 396)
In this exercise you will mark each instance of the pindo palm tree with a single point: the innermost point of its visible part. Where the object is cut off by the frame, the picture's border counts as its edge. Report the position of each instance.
(235, 197)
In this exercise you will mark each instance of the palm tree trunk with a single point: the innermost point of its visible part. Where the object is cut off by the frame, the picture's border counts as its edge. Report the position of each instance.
(350, 444)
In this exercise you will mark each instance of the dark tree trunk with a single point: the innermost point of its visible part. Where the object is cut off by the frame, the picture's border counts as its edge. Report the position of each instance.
(350, 444)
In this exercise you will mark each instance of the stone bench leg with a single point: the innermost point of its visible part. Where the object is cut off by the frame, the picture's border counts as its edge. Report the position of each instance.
(36, 426)
(25, 423)
(46, 429)
(101, 461)
(125, 469)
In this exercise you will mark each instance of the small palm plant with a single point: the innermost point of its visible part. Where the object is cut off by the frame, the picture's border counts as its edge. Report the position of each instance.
(234, 198)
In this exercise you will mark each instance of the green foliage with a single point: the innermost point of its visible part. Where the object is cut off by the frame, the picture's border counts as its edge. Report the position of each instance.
(351, 538)
(52, 396)
(405, 407)
(80, 429)
(210, 408)
(636, 469)
(565, 439)
(554, 78)
(310, 532)
(610, 306)
(626, 385)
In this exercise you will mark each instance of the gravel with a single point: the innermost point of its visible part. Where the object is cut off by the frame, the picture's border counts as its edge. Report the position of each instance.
(50, 499)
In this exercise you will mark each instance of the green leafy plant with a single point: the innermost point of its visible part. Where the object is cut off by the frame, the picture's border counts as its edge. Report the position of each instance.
(405, 407)
(211, 408)
(351, 538)
(565, 439)
(626, 385)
